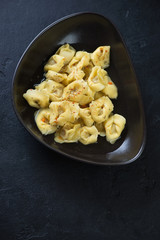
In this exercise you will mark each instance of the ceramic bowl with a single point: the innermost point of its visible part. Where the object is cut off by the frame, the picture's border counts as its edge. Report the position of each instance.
(85, 31)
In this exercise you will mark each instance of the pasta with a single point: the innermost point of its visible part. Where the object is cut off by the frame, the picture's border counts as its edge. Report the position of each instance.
(42, 119)
(110, 90)
(37, 99)
(69, 133)
(76, 74)
(57, 77)
(101, 129)
(101, 56)
(67, 52)
(52, 88)
(98, 79)
(85, 114)
(78, 91)
(114, 126)
(63, 112)
(80, 60)
(74, 100)
(101, 109)
(55, 63)
(88, 135)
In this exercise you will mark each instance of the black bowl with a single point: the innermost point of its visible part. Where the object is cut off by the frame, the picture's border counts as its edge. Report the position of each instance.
(85, 31)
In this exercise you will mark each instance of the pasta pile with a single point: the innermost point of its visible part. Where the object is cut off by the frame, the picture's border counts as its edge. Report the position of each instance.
(74, 100)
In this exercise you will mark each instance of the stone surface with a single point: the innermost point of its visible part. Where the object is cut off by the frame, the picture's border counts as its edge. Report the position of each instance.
(46, 196)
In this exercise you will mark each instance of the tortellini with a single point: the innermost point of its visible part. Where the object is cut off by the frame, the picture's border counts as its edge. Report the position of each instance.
(100, 128)
(81, 59)
(63, 112)
(52, 88)
(69, 133)
(42, 119)
(37, 99)
(55, 63)
(78, 91)
(74, 100)
(57, 77)
(76, 74)
(85, 114)
(88, 135)
(98, 79)
(101, 109)
(67, 52)
(111, 90)
(114, 127)
(101, 56)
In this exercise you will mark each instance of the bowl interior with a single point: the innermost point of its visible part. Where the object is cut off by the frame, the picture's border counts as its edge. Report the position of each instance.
(85, 32)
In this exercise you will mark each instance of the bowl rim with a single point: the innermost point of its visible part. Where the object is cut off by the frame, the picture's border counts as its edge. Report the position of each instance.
(141, 149)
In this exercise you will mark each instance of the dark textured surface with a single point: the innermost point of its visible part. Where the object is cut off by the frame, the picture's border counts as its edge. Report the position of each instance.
(46, 196)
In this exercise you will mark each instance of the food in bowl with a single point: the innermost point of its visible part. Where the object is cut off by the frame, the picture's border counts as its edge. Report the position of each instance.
(74, 100)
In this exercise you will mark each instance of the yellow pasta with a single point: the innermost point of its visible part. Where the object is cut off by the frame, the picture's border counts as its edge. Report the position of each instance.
(88, 135)
(37, 99)
(87, 97)
(52, 88)
(57, 77)
(67, 52)
(101, 56)
(98, 79)
(42, 119)
(110, 90)
(74, 100)
(55, 63)
(75, 91)
(85, 114)
(81, 59)
(84, 59)
(69, 133)
(114, 127)
(100, 128)
(76, 74)
(63, 112)
(101, 109)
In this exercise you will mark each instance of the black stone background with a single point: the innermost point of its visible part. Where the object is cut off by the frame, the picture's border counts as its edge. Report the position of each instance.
(46, 196)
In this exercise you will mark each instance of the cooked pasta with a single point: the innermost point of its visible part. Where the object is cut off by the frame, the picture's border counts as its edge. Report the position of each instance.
(53, 89)
(101, 109)
(57, 77)
(42, 119)
(114, 126)
(76, 74)
(55, 63)
(98, 79)
(85, 114)
(100, 128)
(75, 91)
(67, 52)
(69, 133)
(74, 100)
(80, 60)
(110, 90)
(63, 112)
(37, 99)
(101, 56)
(88, 135)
